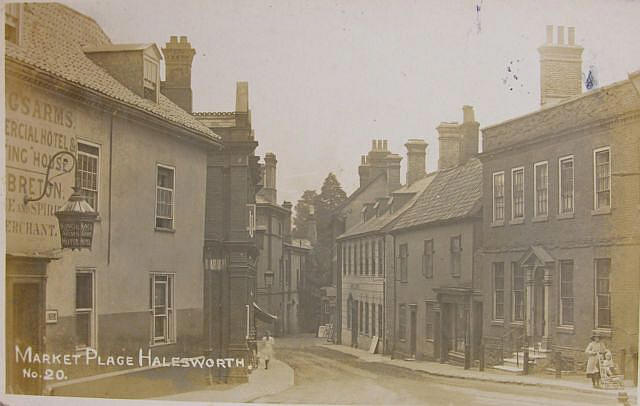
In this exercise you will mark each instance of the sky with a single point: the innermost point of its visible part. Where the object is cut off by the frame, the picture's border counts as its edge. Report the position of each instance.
(327, 77)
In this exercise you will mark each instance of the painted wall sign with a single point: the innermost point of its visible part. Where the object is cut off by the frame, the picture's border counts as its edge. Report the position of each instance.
(36, 128)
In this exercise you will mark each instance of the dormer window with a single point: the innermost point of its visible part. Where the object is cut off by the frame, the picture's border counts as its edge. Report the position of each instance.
(150, 79)
(12, 14)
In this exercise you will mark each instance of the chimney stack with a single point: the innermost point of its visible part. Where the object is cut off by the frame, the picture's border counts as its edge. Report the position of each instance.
(416, 160)
(364, 171)
(392, 162)
(470, 132)
(178, 56)
(449, 145)
(560, 67)
(269, 190)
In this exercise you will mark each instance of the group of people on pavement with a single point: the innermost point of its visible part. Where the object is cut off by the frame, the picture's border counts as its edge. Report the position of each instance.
(599, 361)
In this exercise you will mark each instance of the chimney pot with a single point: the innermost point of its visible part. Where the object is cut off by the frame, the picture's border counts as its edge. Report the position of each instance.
(183, 38)
(174, 38)
(374, 145)
(549, 34)
(572, 36)
(560, 35)
(384, 145)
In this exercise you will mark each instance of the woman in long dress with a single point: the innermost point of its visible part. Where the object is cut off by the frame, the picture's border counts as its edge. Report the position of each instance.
(267, 349)
(593, 351)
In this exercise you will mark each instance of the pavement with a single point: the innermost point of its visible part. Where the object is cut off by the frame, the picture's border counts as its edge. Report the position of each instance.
(577, 383)
(262, 382)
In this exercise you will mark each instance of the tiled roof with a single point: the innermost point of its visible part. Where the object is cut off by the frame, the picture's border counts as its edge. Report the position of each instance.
(378, 223)
(52, 40)
(454, 193)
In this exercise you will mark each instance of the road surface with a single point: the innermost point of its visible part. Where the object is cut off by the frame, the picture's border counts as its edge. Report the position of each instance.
(323, 376)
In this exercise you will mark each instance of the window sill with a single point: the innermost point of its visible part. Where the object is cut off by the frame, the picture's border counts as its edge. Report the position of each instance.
(519, 220)
(429, 340)
(601, 212)
(602, 332)
(565, 329)
(540, 219)
(161, 344)
(499, 223)
(564, 216)
(165, 230)
(517, 324)
(497, 323)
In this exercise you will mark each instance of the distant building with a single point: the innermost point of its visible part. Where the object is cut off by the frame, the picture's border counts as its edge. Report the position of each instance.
(379, 173)
(142, 161)
(282, 261)
(366, 254)
(561, 239)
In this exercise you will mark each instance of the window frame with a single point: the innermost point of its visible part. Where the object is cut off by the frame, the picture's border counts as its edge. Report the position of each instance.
(573, 185)
(429, 320)
(427, 259)
(516, 268)
(456, 256)
(494, 315)
(13, 20)
(514, 171)
(595, 179)
(561, 295)
(97, 174)
(149, 61)
(597, 295)
(497, 220)
(91, 311)
(173, 198)
(536, 214)
(402, 322)
(171, 311)
(403, 253)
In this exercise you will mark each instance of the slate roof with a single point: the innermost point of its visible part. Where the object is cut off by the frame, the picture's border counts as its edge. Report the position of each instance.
(359, 190)
(52, 40)
(379, 223)
(454, 193)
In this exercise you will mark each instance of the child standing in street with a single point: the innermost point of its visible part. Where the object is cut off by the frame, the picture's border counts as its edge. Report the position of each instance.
(267, 348)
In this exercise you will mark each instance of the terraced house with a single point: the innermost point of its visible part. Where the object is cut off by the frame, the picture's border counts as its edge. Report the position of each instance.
(561, 251)
(436, 308)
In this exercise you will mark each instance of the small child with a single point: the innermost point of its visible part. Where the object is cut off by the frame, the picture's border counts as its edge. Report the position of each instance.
(607, 364)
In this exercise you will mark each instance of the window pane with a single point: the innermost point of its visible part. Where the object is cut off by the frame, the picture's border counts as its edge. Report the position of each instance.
(566, 185)
(159, 327)
(84, 290)
(165, 177)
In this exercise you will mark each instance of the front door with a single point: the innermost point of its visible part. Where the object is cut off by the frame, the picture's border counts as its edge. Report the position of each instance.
(25, 307)
(414, 332)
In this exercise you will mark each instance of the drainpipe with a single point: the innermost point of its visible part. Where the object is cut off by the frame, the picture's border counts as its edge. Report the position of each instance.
(393, 311)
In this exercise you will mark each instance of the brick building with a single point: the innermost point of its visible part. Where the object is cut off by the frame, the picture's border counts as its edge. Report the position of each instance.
(231, 251)
(69, 88)
(561, 239)
(436, 308)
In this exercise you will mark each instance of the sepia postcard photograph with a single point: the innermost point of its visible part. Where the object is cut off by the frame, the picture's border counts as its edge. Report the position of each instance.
(322, 202)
